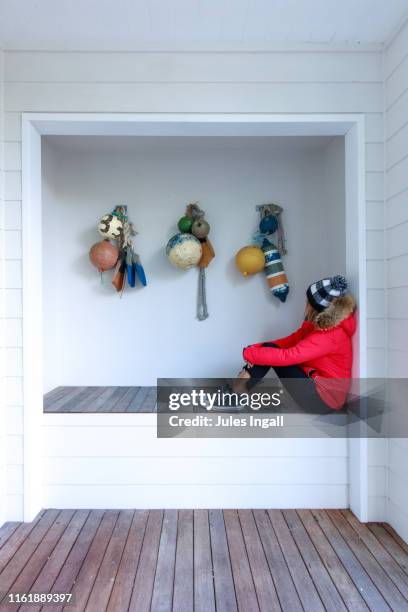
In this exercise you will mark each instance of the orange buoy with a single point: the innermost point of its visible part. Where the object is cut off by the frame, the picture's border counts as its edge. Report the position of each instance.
(104, 255)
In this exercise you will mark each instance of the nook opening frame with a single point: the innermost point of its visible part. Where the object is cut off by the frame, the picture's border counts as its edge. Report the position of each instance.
(36, 125)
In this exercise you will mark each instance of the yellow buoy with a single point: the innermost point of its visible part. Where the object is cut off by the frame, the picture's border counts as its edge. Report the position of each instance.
(250, 260)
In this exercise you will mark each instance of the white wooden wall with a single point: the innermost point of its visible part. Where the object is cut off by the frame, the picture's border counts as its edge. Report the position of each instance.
(175, 82)
(2, 305)
(396, 219)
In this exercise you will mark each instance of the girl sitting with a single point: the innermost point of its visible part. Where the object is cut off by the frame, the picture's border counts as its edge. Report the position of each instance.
(320, 351)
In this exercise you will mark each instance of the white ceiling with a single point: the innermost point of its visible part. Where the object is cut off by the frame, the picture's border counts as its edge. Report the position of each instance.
(189, 25)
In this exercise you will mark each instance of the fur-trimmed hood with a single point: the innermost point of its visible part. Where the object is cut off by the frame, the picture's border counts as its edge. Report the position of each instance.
(337, 313)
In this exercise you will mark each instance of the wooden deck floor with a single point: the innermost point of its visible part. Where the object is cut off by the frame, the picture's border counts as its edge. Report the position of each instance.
(100, 399)
(246, 561)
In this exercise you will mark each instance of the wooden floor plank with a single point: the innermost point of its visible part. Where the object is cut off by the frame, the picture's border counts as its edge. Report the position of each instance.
(101, 399)
(382, 556)
(85, 402)
(225, 598)
(324, 584)
(264, 585)
(117, 398)
(390, 544)
(101, 403)
(122, 589)
(127, 399)
(67, 399)
(55, 394)
(356, 571)
(137, 402)
(306, 589)
(20, 559)
(193, 561)
(113, 399)
(340, 577)
(6, 531)
(285, 587)
(73, 563)
(183, 596)
(204, 599)
(55, 560)
(16, 539)
(143, 586)
(31, 570)
(241, 571)
(164, 580)
(89, 569)
(150, 401)
(392, 596)
(104, 581)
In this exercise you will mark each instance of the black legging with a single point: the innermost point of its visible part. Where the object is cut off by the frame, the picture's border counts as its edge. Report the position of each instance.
(304, 393)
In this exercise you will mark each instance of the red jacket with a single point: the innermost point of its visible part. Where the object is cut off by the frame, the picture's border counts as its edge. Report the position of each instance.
(327, 351)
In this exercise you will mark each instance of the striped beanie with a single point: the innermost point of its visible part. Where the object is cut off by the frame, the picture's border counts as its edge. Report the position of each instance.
(321, 294)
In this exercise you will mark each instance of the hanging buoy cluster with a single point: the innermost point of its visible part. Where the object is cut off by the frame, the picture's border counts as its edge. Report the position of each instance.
(264, 254)
(191, 248)
(116, 250)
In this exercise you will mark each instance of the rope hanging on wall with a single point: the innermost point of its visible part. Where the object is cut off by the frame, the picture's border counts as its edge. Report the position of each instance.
(191, 248)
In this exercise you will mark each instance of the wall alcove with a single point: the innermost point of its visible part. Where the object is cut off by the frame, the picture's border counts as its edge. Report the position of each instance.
(95, 339)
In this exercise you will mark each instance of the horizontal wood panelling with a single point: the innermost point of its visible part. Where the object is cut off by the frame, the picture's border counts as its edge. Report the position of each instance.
(374, 127)
(118, 471)
(12, 126)
(398, 488)
(396, 96)
(191, 67)
(397, 272)
(398, 334)
(173, 496)
(396, 146)
(375, 275)
(397, 460)
(396, 178)
(396, 50)
(375, 157)
(374, 186)
(397, 240)
(378, 506)
(376, 303)
(128, 441)
(13, 449)
(396, 83)
(375, 215)
(376, 333)
(397, 300)
(376, 358)
(397, 363)
(375, 246)
(397, 517)
(396, 116)
(377, 480)
(194, 97)
(397, 210)
(378, 452)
